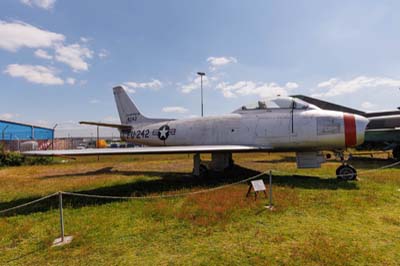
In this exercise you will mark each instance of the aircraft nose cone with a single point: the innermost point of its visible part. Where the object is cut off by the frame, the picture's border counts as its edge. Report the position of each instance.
(361, 125)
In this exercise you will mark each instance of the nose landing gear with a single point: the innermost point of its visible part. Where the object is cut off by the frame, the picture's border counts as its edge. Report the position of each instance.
(345, 171)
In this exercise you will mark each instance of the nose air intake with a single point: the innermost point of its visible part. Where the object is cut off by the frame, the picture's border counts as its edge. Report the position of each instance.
(354, 129)
(350, 130)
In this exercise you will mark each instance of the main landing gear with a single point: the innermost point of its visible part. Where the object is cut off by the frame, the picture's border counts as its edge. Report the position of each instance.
(346, 171)
(396, 152)
(219, 162)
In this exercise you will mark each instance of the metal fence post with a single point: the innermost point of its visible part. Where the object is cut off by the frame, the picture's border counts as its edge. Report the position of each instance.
(62, 240)
(61, 216)
(270, 191)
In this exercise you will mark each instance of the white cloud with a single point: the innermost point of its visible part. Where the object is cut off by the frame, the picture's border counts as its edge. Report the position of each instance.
(70, 81)
(128, 90)
(8, 116)
(35, 74)
(94, 101)
(43, 54)
(74, 55)
(263, 90)
(336, 87)
(216, 62)
(368, 106)
(103, 53)
(85, 40)
(292, 85)
(16, 35)
(175, 109)
(194, 84)
(155, 84)
(45, 4)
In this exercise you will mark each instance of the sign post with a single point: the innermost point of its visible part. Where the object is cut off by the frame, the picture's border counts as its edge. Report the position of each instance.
(257, 185)
(270, 206)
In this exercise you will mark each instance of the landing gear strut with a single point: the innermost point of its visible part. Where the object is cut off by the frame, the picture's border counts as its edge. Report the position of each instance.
(345, 171)
(396, 152)
(199, 169)
(219, 162)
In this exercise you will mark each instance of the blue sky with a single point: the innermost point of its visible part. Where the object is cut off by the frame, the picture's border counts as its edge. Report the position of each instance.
(60, 59)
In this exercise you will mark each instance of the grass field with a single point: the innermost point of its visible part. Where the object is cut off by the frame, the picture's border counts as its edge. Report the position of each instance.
(317, 220)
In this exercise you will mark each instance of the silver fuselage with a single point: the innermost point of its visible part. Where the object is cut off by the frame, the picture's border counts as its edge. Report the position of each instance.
(272, 129)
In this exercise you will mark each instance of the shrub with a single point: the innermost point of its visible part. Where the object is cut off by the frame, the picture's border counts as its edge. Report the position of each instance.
(11, 159)
(38, 160)
(17, 159)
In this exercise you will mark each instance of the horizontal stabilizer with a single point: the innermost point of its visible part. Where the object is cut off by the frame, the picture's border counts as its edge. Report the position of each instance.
(119, 126)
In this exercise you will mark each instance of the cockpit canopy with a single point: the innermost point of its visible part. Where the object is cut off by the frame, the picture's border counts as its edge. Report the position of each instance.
(277, 103)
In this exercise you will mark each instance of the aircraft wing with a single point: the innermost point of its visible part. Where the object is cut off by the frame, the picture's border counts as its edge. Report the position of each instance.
(397, 129)
(149, 150)
(383, 135)
(119, 126)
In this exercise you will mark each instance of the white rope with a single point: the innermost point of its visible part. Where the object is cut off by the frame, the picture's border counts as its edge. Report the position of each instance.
(380, 168)
(165, 196)
(121, 197)
(174, 195)
(358, 173)
(29, 203)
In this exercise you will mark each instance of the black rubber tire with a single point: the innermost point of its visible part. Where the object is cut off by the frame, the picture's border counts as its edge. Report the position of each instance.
(396, 152)
(346, 172)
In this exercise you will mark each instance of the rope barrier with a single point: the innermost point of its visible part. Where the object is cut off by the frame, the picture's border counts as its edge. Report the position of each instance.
(166, 196)
(138, 197)
(172, 195)
(358, 173)
(28, 203)
(380, 168)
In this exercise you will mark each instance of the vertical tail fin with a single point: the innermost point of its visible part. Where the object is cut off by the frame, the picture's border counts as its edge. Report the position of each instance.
(128, 112)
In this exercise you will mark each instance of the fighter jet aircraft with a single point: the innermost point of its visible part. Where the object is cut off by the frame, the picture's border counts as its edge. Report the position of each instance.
(276, 125)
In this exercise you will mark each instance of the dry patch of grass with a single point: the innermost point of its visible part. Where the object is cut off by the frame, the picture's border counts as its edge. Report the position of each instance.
(319, 248)
(391, 220)
(217, 207)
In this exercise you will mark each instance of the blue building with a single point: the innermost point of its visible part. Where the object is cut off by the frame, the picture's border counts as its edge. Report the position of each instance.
(11, 131)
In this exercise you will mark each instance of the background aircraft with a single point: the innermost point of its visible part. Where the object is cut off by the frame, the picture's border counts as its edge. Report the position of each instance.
(383, 130)
(277, 125)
